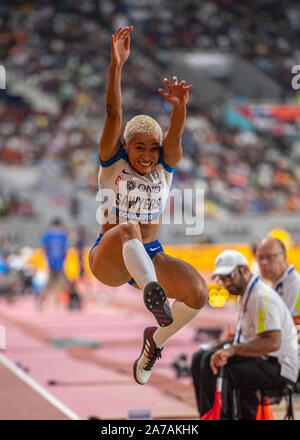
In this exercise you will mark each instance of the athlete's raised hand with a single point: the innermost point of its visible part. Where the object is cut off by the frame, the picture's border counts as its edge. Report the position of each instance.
(120, 45)
(177, 92)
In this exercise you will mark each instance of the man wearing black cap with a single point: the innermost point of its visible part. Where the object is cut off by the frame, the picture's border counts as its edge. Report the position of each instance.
(263, 353)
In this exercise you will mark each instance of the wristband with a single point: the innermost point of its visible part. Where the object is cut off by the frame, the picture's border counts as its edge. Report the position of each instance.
(228, 347)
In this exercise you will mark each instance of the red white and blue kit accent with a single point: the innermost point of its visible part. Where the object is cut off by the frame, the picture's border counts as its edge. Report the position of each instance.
(129, 195)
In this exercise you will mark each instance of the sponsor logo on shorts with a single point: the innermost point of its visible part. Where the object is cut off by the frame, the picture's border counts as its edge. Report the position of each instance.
(154, 249)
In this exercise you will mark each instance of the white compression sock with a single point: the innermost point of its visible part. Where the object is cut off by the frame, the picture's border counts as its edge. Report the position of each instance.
(138, 263)
(182, 315)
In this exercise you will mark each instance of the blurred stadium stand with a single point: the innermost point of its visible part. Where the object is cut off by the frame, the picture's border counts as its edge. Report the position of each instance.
(242, 137)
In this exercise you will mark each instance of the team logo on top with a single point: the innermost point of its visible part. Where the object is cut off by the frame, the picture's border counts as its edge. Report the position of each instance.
(130, 185)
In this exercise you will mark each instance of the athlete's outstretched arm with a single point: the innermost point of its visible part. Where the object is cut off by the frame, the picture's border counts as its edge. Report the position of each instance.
(110, 138)
(177, 95)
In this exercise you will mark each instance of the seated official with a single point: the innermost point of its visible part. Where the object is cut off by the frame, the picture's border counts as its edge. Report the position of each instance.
(263, 354)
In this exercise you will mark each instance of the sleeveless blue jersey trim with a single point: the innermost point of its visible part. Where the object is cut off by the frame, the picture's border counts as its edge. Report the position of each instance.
(164, 164)
(121, 154)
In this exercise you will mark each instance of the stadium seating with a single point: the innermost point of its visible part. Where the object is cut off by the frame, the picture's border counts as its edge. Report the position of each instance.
(53, 108)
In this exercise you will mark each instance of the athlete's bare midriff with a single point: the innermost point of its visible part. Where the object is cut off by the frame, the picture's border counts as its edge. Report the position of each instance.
(149, 231)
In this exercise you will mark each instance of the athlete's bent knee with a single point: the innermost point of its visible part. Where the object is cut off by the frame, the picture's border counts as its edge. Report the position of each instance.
(198, 294)
(129, 231)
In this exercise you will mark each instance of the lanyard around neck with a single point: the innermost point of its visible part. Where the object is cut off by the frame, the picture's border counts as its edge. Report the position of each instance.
(279, 285)
(239, 330)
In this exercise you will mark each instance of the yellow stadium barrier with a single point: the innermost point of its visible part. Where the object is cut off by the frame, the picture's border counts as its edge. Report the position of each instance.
(71, 267)
(201, 256)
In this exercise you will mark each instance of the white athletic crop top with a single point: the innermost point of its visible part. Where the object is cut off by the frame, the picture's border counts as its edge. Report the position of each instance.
(130, 195)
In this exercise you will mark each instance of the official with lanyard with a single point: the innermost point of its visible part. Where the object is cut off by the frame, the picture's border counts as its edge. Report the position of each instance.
(273, 264)
(263, 352)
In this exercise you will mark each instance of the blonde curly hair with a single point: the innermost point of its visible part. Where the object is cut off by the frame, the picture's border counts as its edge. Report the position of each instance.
(141, 124)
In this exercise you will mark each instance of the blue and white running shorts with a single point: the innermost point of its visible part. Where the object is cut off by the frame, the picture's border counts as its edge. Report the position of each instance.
(152, 249)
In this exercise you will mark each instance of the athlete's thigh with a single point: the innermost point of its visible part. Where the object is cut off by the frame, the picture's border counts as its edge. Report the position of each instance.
(180, 280)
(106, 260)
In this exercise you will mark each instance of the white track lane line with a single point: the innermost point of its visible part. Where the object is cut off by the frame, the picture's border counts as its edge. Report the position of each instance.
(38, 388)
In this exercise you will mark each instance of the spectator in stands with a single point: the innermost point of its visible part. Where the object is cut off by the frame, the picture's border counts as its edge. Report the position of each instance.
(67, 87)
(55, 243)
(15, 205)
(264, 349)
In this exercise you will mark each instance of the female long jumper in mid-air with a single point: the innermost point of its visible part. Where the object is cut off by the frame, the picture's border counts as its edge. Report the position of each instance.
(136, 172)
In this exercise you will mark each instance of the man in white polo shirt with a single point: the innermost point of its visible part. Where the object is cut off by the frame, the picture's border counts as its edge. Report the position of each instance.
(273, 265)
(263, 353)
